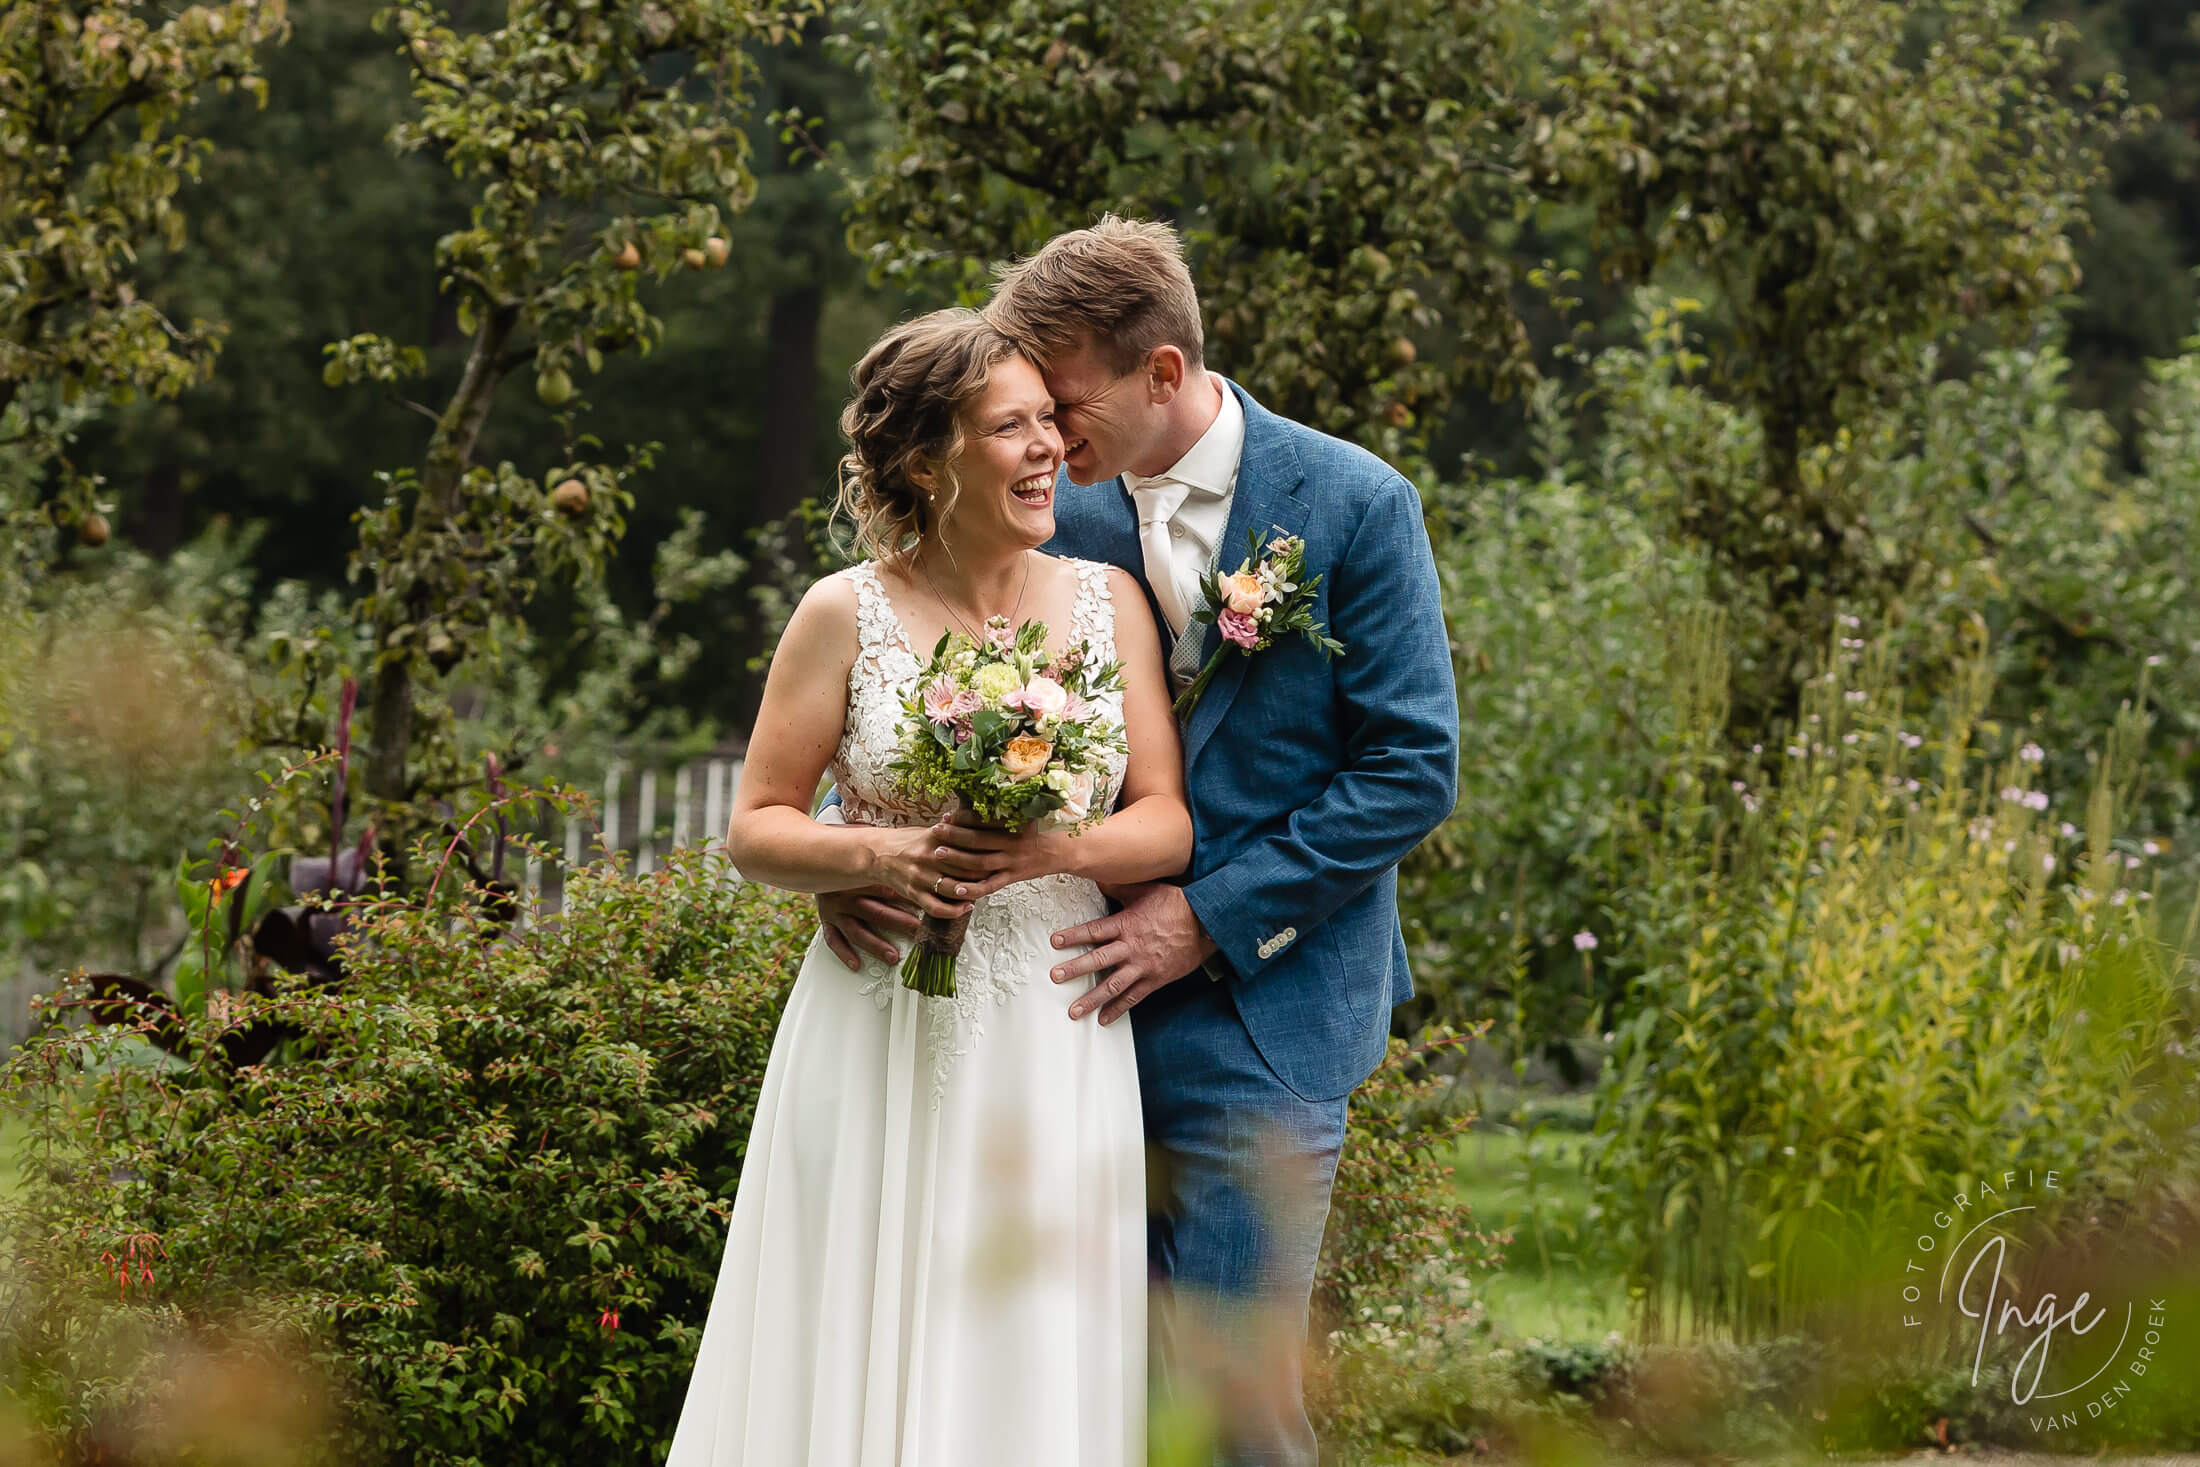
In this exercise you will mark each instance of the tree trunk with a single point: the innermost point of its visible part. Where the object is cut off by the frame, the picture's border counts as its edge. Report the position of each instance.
(157, 526)
(450, 453)
(785, 472)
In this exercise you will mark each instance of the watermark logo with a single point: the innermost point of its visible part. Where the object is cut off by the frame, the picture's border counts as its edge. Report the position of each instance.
(2076, 1341)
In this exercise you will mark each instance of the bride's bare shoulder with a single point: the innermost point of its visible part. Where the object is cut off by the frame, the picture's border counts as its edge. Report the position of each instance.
(1122, 585)
(824, 621)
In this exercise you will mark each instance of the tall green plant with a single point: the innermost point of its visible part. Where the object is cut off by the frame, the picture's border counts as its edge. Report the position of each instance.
(1877, 963)
(1857, 180)
(1556, 589)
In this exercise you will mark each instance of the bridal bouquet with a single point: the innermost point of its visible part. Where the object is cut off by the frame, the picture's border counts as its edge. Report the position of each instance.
(1013, 736)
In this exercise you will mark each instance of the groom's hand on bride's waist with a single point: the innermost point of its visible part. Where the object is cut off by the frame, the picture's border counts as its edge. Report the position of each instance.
(1151, 943)
(859, 919)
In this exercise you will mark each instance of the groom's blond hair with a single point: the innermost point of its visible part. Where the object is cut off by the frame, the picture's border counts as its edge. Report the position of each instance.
(1121, 286)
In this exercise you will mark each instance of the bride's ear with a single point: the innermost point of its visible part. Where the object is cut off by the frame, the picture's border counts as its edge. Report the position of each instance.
(926, 479)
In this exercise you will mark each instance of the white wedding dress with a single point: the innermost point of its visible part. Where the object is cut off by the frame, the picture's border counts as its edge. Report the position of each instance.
(937, 1256)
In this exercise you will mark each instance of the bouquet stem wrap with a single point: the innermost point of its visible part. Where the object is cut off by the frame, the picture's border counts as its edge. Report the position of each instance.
(930, 966)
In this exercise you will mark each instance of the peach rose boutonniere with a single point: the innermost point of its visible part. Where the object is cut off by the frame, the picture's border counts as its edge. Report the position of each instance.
(1268, 596)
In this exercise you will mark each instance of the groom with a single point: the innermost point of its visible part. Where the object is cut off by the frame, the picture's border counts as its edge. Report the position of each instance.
(1264, 981)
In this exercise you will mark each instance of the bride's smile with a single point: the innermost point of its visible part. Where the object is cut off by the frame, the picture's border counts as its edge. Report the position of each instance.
(1002, 498)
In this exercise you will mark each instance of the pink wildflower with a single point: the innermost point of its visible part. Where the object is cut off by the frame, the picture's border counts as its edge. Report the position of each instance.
(1237, 627)
(940, 699)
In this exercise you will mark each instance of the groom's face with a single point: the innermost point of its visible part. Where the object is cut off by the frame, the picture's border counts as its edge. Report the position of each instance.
(1108, 419)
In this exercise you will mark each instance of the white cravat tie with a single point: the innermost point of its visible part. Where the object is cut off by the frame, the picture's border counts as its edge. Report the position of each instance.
(1157, 501)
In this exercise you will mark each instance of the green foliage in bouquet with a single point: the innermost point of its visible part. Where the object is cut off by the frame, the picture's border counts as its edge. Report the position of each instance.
(486, 1193)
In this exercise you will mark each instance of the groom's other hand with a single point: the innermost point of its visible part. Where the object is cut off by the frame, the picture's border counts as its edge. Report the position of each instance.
(860, 919)
(1151, 943)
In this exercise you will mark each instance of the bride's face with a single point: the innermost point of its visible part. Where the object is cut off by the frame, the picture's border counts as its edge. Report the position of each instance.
(1006, 470)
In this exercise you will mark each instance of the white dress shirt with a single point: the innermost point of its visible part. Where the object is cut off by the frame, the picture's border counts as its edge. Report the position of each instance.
(1182, 513)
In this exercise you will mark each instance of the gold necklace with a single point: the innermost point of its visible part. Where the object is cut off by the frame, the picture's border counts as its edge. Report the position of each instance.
(976, 639)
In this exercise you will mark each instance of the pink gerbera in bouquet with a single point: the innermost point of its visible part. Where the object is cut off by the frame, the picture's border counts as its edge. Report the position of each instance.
(1013, 735)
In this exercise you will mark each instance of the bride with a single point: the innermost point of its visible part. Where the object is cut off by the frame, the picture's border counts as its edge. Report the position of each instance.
(937, 1255)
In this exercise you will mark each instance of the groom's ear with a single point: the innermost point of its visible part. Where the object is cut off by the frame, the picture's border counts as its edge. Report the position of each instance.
(1165, 372)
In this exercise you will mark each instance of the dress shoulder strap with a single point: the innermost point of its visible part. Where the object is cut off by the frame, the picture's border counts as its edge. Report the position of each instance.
(1094, 617)
(878, 627)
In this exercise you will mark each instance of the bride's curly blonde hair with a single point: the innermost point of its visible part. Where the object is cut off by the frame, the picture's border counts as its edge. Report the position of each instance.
(905, 418)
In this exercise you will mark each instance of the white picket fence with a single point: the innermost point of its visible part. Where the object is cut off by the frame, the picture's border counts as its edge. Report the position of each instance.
(646, 812)
(639, 824)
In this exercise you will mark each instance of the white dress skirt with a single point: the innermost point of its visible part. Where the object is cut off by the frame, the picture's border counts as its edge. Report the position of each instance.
(937, 1256)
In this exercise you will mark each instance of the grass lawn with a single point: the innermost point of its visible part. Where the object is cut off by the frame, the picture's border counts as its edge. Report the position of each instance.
(1528, 1182)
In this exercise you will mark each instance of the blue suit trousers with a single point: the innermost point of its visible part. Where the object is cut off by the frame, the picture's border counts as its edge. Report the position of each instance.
(1240, 1170)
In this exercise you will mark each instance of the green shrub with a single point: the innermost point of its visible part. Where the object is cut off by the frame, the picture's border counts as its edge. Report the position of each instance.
(1874, 967)
(487, 1190)
(114, 681)
(1400, 1247)
(1555, 593)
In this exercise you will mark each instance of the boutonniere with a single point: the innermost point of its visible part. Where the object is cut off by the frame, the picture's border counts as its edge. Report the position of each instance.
(1268, 596)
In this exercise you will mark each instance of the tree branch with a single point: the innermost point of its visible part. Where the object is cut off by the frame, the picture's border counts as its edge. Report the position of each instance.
(129, 96)
(488, 294)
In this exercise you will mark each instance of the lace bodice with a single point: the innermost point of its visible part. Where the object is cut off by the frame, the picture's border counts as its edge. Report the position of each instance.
(1009, 941)
(885, 673)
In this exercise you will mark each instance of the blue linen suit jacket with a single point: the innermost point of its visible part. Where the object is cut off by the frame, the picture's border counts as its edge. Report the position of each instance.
(1310, 778)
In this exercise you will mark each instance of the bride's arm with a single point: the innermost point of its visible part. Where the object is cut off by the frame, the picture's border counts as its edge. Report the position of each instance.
(1150, 834)
(770, 836)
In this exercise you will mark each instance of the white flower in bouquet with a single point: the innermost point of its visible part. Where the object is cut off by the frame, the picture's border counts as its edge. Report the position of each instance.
(1044, 699)
(994, 683)
(1076, 790)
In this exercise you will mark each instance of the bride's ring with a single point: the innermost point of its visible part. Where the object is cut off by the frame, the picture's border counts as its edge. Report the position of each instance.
(936, 882)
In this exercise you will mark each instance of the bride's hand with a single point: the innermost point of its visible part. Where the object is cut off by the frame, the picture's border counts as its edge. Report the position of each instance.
(984, 860)
(920, 867)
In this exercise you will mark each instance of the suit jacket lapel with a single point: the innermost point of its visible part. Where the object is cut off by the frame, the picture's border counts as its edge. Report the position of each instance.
(1266, 498)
